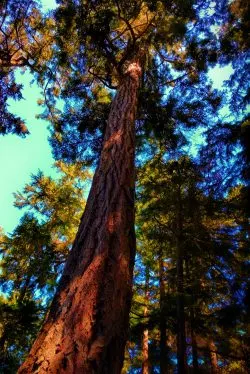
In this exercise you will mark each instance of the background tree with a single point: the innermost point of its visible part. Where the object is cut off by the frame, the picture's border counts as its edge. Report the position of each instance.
(25, 42)
(213, 264)
(32, 257)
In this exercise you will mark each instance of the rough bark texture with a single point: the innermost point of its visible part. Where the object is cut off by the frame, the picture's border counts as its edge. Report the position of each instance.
(86, 329)
(145, 362)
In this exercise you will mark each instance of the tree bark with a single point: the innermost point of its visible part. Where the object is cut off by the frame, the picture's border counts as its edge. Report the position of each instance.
(145, 362)
(181, 333)
(163, 337)
(86, 328)
(213, 357)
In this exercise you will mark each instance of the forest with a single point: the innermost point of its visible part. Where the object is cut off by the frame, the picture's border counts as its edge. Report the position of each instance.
(136, 258)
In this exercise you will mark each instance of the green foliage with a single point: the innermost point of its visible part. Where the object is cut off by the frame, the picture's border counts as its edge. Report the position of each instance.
(33, 255)
(79, 53)
(25, 42)
(214, 264)
(19, 322)
(112, 34)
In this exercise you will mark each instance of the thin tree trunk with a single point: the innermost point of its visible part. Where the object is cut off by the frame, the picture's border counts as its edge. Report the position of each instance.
(192, 322)
(194, 345)
(213, 358)
(145, 362)
(181, 333)
(86, 328)
(163, 337)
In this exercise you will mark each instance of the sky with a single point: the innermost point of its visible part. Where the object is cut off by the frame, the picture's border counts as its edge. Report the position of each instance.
(21, 157)
(48, 4)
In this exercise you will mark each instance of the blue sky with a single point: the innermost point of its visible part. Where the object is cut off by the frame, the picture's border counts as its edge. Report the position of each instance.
(22, 157)
(48, 4)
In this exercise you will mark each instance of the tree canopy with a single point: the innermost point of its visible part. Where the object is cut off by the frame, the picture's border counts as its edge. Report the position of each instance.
(121, 78)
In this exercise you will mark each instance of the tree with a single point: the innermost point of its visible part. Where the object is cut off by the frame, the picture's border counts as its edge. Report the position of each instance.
(166, 191)
(213, 263)
(82, 330)
(25, 42)
(19, 323)
(32, 257)
(118, 44)
(112, 46)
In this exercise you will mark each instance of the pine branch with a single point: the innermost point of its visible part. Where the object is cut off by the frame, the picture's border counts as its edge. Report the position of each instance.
(130, 28)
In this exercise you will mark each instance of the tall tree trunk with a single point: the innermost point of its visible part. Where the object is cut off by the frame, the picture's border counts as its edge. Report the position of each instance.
(181, 333)
(189, 279)
(145, 357)
(194, 344)
(86, 328)
(163, 337)
(213, 357)
(145, 362)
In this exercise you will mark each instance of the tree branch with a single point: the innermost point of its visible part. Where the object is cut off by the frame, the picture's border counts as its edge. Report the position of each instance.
(126, 22)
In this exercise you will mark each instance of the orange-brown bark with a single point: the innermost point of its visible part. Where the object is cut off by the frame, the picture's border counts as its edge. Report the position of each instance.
(213, 357)
(86, 328)
(145, 340)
